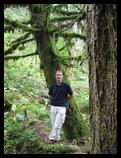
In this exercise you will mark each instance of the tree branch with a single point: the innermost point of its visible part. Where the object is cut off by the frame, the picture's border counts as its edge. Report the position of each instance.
(70, 58)
(20, 25)
(65, 12)
(72, 35)
(63, 28)
(63, 47)
(80, 8)
(59, 6)
(14, 5)
(21, 38)
(71, 17)
(15, 57)
(69, 25)
(66, 60)
(15, 45)
(8, 28)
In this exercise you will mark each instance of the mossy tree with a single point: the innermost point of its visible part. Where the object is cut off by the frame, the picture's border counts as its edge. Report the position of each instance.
(74, 126)
(41, 25)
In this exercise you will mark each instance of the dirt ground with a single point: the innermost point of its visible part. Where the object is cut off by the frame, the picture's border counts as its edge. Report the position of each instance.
(43, 133)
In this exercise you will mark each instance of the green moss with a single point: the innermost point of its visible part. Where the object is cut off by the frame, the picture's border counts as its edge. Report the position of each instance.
(55, 148)
(75, 126)
(42, 148)
(87, 148)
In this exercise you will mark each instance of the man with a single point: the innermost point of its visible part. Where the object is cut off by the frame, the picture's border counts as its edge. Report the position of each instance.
(60, 92)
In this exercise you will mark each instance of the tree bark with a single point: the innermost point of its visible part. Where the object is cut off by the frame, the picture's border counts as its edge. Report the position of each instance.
(102, 51)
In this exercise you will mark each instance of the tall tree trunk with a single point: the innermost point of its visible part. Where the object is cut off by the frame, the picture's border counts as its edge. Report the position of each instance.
(49, 64)
(102, 51)
(73, 125)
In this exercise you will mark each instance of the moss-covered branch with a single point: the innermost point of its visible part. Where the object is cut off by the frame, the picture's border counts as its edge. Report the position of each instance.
(14, 5)
(15, 57)
(72, 35)
(71, 17)
(20, 25)
(8, 28)
(60, 11)
(21, 38)
(63, 47)
(15, 45)
(61, 28)
(71, 58)
(67, 60)
(65, 27)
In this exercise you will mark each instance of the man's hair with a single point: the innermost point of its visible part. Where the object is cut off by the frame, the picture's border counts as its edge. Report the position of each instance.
(59, 71)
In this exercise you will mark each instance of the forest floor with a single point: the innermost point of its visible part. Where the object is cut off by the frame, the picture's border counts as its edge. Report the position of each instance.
(43, 132)
(31, 136)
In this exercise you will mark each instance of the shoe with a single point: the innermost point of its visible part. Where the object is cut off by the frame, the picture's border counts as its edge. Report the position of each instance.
(57, 141)
(51, 141)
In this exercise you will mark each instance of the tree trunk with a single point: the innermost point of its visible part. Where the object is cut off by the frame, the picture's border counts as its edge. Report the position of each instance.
(49, 63)
(102, 51)
(75, 127)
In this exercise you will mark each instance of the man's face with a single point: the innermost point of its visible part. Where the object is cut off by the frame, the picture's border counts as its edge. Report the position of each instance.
(59, 76)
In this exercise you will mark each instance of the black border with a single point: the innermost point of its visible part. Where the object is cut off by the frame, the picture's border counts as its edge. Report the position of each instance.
(2, 74)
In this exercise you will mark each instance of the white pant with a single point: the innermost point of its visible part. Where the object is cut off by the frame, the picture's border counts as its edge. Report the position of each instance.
(58, 115)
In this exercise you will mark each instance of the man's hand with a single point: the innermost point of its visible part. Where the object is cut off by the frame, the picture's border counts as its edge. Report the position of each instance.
(68, 109)
(69, 97)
